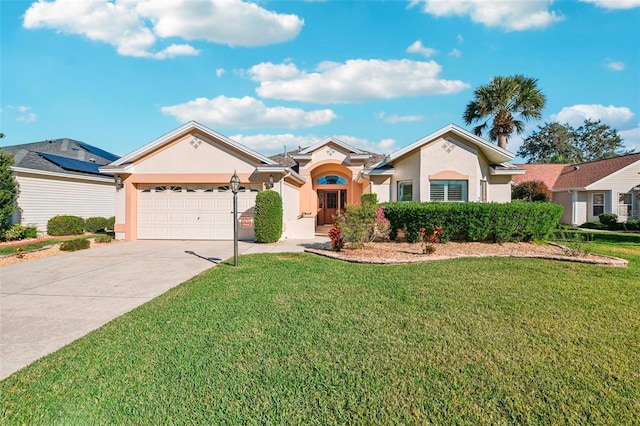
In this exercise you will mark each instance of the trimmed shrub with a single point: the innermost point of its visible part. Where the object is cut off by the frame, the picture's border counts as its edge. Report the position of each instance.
(111, 223)
(31, 232)
(608, 219)
(95, 224)
(632, 225)
(65, 225)
(516, 221)
(14, 232)
(267, 219)
(362, 224)
(369, 198)
(533, 190)
(593, 225)
(103, 239)
(75, 245)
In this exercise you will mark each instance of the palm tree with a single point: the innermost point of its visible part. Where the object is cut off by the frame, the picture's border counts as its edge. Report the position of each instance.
(504, 99)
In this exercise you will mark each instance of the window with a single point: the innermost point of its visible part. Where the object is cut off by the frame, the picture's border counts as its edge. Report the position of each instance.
(483, 191)
(405, 191)
(332, 180)
(624, 205)
(598, 204)
(448, 190)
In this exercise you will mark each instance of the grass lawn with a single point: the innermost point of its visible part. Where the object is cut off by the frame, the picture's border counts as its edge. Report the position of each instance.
(300, 339)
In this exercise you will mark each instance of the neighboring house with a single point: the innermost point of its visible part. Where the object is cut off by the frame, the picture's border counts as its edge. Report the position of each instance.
(177, 186)
(586, 190)
(61, 177)
(545, 173)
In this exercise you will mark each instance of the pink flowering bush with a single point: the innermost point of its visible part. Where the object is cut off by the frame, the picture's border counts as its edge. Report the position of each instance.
(362, 224)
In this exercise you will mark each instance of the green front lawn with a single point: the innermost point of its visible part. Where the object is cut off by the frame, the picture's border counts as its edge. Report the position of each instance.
(299, 339)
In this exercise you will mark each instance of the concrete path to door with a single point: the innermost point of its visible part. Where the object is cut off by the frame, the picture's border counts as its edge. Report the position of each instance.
(48, 303)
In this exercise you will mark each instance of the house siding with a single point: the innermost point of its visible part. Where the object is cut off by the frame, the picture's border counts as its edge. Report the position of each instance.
(42, 198)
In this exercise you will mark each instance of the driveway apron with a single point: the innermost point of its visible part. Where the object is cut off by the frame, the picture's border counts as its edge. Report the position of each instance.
(47, 303)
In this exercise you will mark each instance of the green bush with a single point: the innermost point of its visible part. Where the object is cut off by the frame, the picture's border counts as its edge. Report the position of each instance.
(111, 223)
(362, 224)
(369, 198)
(515, 221)
(268, 217)
(103, 239)
(75, 245)
(593, 225)
(31, 232)
(632, 225)
(533, 190)
(14, 232)
(96, 224)
(608, 219)
(65, 225)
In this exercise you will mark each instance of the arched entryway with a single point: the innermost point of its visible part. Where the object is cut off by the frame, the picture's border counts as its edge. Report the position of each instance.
(332, 186)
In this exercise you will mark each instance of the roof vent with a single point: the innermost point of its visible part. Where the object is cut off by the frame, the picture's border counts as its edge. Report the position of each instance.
(92, 160)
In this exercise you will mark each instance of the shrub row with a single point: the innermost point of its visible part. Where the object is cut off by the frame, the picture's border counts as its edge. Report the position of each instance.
(630, 225)
(74, 225)
(75, 245)
(515, 221)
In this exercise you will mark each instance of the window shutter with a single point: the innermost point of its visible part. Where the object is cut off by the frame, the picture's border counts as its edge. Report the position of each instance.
(437, 191)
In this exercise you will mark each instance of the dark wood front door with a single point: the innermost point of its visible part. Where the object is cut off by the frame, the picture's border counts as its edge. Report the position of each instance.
(330, 202)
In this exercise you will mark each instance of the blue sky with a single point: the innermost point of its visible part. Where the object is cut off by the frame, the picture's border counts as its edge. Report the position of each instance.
(377, 74)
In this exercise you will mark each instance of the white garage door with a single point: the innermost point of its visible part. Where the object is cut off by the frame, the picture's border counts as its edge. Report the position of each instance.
(192, 212)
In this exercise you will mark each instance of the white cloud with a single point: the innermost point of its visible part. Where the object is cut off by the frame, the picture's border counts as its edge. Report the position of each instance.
(245, 113)
(455, 52)
(631, 138)
(460, 39)
(135, 27)
(356, 80)
(615, 65)
(21, 113)
(418, 47)
(614, 4)
(508, 15)
(219, 72)
(576, 114)
(383, 146)
(395, 118)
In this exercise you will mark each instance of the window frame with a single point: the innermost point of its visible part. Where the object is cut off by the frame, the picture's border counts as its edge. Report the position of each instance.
(594, 204)
(400, 190)
(446, 184)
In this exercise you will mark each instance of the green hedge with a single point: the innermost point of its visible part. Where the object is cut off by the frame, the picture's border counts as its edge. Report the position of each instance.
(515, 221)
(268, 217)
(65, 225)
(96, 224)
(75, 245)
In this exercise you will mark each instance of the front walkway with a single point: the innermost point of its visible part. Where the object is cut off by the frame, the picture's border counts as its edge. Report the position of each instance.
(48, 303)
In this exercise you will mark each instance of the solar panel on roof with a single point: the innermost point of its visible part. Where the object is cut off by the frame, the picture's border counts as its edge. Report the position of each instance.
(97, 151)
(71, 164)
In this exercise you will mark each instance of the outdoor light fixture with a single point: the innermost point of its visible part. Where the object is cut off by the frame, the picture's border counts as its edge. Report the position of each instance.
(270, 184)
(235, 187)
(119, 184)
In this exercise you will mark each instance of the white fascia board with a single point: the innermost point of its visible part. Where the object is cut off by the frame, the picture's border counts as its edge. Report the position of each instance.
(379, 172)
(62, 175)
(490, 150)
(302, 157)
(281, 170)
(495, 172)
(336, 141)
(156, 143)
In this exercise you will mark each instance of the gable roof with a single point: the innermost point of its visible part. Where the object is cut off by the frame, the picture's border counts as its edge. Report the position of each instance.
(494, 154)
(546, 173)
(585, 174)
(287, 159)
(180, 131)
(335, 141)
(60, 156)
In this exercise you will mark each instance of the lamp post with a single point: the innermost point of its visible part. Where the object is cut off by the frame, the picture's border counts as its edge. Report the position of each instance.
(235, 187)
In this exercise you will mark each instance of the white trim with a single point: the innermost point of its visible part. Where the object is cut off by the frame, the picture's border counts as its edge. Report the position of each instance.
(282, 170)
(493, 152)
(191, 125)
(379, 172)
(106, 179)
(336, 141)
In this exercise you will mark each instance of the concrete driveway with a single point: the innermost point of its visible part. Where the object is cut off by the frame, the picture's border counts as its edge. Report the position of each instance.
(48, 303)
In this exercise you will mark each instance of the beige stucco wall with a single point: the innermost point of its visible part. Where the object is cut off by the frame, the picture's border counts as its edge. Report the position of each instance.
(194, 154)
(408, 169)
(499, 189)
(381, 186)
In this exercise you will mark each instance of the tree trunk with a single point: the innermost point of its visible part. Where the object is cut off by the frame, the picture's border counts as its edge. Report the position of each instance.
(502, 141)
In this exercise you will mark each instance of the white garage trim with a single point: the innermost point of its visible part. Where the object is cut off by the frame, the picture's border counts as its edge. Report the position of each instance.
(192, 212)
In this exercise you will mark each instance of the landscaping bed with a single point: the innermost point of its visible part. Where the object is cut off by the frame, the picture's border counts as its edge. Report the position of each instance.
(403, 252)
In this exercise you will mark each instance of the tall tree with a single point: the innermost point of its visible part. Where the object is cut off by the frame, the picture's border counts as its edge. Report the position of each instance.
(508, 101)
(8, 190)
(560, 143)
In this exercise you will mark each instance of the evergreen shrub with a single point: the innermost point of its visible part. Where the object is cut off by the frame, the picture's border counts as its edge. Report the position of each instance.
(75, 245)
(65, 225)
(267, 219)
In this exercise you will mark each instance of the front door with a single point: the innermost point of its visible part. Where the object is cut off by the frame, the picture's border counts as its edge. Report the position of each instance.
(329, 204)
